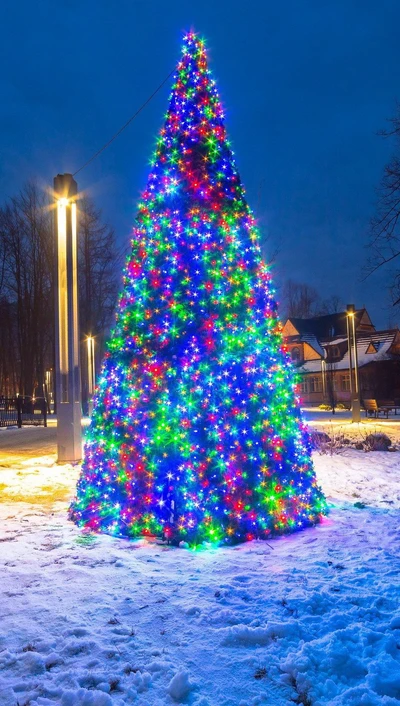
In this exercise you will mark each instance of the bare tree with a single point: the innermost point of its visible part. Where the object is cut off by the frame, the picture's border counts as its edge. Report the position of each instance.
(9, 358)
(384, 243)
(299, 300)
(98, 280)
(27, 286)
(302, 301)
(331, 305)
(26, 241)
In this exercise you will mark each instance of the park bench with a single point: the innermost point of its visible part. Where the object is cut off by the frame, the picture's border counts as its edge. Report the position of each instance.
(373, 409)
(390, 405)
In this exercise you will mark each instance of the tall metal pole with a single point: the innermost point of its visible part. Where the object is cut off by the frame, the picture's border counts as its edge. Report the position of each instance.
(353, 364)
(323, 374)
(91, 372)
(68, 376)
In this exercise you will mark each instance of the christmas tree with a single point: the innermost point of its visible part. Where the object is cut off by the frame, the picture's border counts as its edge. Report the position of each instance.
(196, 433)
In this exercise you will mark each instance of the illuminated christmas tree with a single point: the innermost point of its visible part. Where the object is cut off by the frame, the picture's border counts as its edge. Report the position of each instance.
(196, 433)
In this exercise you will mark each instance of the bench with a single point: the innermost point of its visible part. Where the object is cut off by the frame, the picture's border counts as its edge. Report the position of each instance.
(372, 409)
(390, 405)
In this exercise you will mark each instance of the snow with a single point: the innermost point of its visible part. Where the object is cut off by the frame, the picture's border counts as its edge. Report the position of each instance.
(310, 619)
(179, 686)
(383, 339)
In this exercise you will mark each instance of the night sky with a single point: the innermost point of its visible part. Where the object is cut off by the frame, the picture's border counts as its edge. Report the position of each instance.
(306, 85)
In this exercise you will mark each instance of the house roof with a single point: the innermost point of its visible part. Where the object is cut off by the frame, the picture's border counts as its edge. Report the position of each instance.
(310, 339)
(329, 325)
(382, 340)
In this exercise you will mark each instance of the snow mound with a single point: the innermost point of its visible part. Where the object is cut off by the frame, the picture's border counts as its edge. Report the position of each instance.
(179, 686)
(83, 697)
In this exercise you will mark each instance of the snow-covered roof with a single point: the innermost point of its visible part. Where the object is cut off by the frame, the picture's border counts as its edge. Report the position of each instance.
(382, 341)
(329, 324)
(307, 338)
(313, 342)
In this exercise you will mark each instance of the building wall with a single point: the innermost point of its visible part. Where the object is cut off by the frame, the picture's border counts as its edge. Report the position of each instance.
(380, 381)
(289, 329)
(309, 353)
(318, 388)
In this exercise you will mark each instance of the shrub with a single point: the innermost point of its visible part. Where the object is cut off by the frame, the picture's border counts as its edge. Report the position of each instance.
(332, 444)
(319, 439)
(377, 442)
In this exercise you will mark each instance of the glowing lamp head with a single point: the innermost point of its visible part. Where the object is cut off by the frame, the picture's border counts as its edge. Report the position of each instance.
(63, 202)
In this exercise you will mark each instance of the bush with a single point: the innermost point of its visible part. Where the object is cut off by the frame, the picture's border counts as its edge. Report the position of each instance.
(326, 444)
(328, 407)
(377, 442)
(319, 439)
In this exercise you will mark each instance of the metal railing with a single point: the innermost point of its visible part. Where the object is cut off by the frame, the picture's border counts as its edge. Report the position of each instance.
(20, 411)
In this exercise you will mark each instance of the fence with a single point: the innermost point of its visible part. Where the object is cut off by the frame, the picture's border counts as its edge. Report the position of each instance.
(19, 411)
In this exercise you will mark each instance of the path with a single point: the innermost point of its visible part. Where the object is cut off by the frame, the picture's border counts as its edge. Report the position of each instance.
(28, 442)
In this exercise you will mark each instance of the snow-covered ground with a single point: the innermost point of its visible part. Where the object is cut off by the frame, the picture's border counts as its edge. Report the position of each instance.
(310, 619)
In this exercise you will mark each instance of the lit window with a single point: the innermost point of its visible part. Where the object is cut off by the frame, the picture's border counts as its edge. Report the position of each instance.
(295, 354)
(345, 383)
(303, 387)
(315, 383)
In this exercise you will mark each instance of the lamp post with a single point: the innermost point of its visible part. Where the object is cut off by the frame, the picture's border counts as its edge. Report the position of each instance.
(323, 375)
(91, 372)
(48, 388)
(353, 364)
(68, 377)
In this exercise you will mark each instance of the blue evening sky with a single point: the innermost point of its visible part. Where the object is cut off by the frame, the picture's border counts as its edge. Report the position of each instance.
(306, 85)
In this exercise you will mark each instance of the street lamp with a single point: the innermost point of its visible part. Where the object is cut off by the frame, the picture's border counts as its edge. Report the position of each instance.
(353, 364)
(91, 371)
(323, 373)
(48, 388)
(68, 377)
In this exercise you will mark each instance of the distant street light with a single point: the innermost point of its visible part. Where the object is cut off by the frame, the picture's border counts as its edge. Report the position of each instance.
(91, 371)
(68, 377)
(353, 364)
(48, 388)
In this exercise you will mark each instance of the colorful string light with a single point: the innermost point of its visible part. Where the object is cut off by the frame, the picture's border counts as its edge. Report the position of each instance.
(196, 433)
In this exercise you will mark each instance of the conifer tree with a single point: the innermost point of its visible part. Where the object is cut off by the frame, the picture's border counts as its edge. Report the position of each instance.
(196, 433)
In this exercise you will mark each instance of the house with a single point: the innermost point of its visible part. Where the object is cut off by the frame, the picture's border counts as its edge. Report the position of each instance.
(318, 348)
